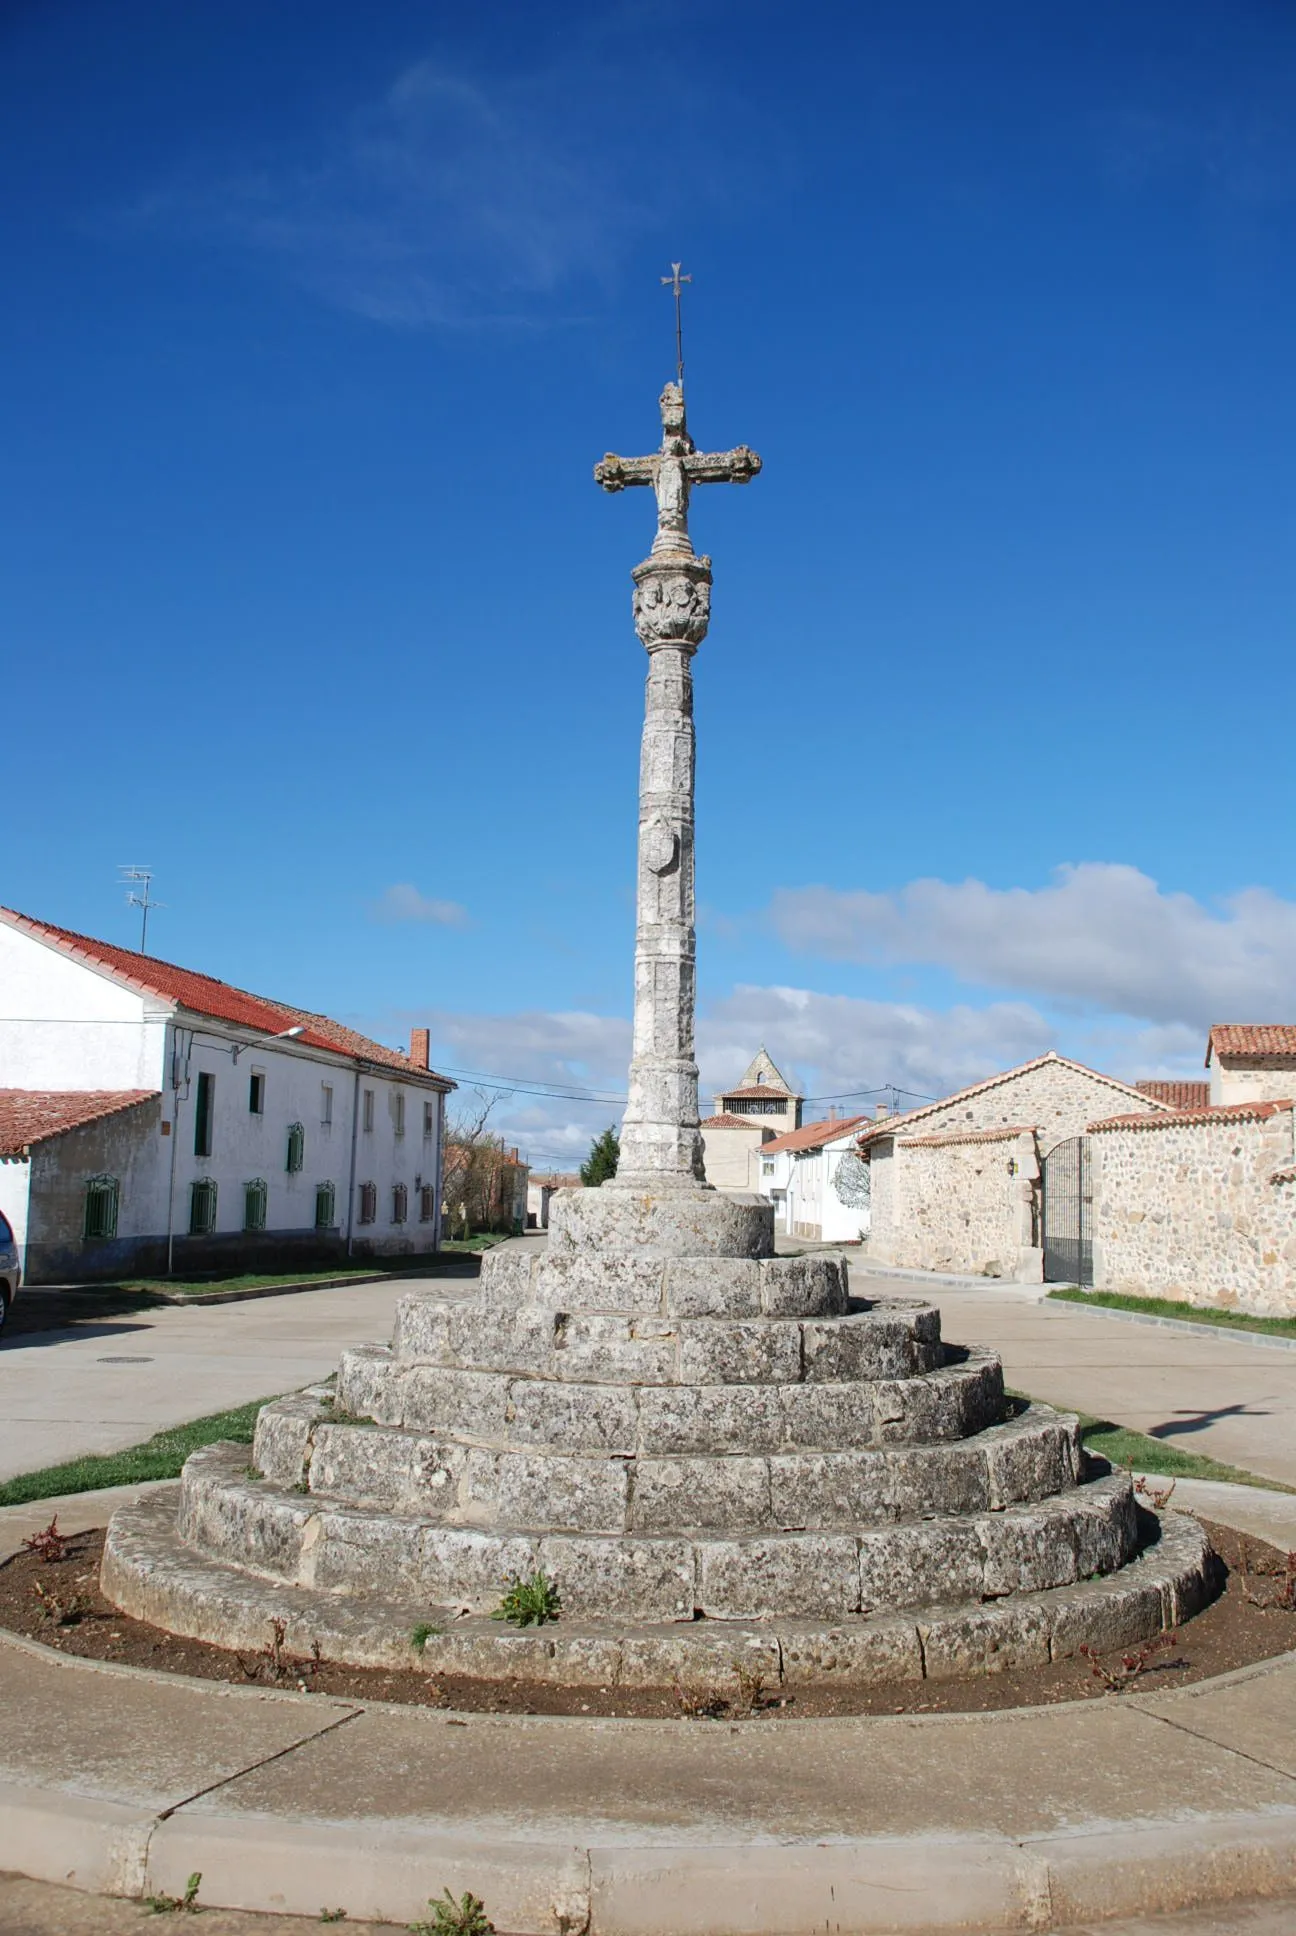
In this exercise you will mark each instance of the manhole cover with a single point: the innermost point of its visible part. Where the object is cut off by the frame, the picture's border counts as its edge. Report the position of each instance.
(124, 1361)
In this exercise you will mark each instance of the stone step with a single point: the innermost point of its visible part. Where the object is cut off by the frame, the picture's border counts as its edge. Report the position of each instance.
(504, 1410)
(151, 1574)
(681, 1287)
(307, 1541)
(614, 1348)
(300, 1444)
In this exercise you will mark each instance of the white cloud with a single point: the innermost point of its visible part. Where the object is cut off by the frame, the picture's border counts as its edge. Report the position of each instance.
(403, 902)
(1102, 934)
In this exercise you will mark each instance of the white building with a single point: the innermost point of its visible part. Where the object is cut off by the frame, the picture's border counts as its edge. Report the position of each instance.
(1251, 1062)
(817, 1182)
(153, 1119)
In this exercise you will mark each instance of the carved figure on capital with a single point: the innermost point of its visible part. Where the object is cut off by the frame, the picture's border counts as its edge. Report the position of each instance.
(672, 606)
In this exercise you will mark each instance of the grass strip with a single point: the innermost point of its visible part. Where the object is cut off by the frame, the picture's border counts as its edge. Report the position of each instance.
(160, 1457)
(1167, 1307)
(1123, 1447)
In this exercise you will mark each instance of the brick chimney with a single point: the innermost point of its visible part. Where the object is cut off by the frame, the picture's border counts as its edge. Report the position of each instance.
(882, 1111)
(420, 1048)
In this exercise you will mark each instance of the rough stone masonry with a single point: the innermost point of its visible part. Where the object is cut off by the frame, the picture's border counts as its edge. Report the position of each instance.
(719, 1457)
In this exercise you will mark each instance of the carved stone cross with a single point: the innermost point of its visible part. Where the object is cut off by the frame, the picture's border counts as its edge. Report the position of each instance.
(661, 1144)
(673, 470)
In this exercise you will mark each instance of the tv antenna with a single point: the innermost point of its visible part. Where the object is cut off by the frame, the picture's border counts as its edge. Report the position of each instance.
(138, 896)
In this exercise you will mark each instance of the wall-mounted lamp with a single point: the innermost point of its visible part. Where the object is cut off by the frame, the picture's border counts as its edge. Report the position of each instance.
(280, 1035)
(1012, 1166)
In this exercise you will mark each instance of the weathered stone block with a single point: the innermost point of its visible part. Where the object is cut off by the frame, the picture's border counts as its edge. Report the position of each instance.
(357, 1552)
(710, 1418)
(369, 1384)
(423, 1328)
(1028, 1458)
(702, 1659)
(721, 1351)
(519, 1490)
(470, 1569)
(918, 1565)
(752, 1579)
(281, 1445)
(582, 1282)
(643, 1579)
(828, 1417)
(581, 1418)
(803, 1287)
(615, 1349)
(986, 1640)
(1027, 1551)
(441, 1398)
(864, 1345)
(1115, 1612)
(714, 1287)
(393, 1470)
(722, 1493)
(646, 1223)
(873, 1650)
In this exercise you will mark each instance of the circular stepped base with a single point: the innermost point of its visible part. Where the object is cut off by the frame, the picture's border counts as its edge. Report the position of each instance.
(314, 1540)
(151, 1574)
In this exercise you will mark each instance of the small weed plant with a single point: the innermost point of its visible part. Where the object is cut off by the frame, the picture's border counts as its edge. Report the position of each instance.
(333, 1915)
(171, 1905)
(65, 1610)
(421, 1635)
(49, 1545)
(1282, 1597)
(530, 1602)
(1130, 1666)
(1158, 1497)
(467, 1917)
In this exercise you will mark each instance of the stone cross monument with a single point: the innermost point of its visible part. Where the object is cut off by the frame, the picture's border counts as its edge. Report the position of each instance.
(661, 1147)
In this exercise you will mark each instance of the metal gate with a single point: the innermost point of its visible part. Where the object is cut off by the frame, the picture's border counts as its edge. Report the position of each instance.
(1068, 1214)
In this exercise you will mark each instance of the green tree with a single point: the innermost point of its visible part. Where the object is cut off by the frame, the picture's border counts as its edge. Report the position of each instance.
(605, 1152)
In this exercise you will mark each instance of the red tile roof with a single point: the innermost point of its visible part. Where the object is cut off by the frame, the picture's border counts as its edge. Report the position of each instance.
(812, 1136)
(1238, 1112)
(1179, 1095)
(1251, 1039)
(30, 1116)
(760, 1089)
(1001, 1133)
(204, 995)
(731, 1122)
(889, 1125)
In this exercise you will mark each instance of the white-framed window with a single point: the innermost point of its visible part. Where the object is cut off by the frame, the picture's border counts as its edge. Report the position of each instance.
(368, 1109)
(398, 1112)
(326, 1103)
(256, 1093)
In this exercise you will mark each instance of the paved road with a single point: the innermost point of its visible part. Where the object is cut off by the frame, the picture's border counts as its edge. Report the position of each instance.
(98, 1386)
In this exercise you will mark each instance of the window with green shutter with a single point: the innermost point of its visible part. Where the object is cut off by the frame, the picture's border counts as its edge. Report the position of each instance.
(202, 1207)
(296, 1148)
(101, 1208)
(255, 1198)
(324, 1218)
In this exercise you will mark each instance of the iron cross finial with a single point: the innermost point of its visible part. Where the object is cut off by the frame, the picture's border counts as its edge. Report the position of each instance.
(675, 283)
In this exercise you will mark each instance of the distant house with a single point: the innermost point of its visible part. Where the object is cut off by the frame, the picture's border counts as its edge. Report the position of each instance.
(540, 1188)
(958, 1185)
(485, 1187)
(155, 1119)
(761, 1107)
(1251, 1062)
(818, 1182)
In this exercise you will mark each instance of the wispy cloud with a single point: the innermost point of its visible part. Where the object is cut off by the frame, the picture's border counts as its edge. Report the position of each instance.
(403, 902)
(1101, 935)
(456, 200)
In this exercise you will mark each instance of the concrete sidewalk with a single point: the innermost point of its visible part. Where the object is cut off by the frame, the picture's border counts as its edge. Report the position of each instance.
(124, 1782)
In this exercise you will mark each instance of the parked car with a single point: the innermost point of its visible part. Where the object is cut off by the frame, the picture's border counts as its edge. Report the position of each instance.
(10, 1274)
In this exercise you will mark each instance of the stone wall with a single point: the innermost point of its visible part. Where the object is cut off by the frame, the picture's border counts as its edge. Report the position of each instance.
(1235, 1080)
(1199, 1208)
(965, 1209)
(1059, 1099)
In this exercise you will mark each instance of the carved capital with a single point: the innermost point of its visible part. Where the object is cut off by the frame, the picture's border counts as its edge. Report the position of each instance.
(672, 601)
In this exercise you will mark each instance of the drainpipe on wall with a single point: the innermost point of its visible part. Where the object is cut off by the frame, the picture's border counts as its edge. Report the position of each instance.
(175, 1139)
(355, 1124)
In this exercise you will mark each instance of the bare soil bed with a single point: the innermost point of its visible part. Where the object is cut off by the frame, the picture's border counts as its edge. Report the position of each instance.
(52, 1595)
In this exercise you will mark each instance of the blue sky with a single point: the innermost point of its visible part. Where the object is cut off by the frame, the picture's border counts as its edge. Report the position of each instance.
(316, 318)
